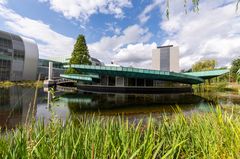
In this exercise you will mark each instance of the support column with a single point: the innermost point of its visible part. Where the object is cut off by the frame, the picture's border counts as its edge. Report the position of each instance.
(107, 80)
(50, 72)
(49, 82)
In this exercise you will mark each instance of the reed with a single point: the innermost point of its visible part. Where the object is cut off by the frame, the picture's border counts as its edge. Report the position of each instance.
(209, 135)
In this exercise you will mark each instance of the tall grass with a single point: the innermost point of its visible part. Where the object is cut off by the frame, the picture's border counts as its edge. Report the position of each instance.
(210, 135)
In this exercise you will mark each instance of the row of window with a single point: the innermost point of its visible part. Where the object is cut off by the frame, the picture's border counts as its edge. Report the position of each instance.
(5, 43)
(5, 69)
(6, 52)
(111, 81)
(18, 54)
(45, 63)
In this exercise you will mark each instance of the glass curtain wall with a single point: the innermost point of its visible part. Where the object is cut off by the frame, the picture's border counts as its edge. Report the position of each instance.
(6, 51)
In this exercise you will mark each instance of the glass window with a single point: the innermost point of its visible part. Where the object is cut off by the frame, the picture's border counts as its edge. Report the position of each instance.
(131, 82)
(111, 81)
(149, 82)
(5, 69)
(18, 54)
(140, 82)
(5, 43)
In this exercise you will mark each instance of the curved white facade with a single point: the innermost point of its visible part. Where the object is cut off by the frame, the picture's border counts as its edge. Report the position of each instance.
(31, 59)
(18, 57)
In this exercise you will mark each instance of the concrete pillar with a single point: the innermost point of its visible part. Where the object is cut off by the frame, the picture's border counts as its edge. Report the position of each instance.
(107, 80)
(50, 71)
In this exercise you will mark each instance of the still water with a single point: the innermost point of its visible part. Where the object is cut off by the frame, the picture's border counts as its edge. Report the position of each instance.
(16, 101)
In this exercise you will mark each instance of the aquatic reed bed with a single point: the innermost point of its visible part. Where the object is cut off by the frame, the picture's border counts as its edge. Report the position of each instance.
(209, 135)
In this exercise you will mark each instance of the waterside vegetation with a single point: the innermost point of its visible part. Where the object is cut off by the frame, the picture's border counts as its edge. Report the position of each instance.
(7, 84)
(209, 135)
(217, 86)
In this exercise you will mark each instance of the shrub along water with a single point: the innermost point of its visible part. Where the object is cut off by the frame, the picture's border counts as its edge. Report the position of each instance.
(209, 135)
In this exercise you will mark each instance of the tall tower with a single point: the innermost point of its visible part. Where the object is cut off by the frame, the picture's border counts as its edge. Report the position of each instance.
(166, 58)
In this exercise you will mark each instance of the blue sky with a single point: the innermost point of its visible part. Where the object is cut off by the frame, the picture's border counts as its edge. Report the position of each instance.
(126, 31)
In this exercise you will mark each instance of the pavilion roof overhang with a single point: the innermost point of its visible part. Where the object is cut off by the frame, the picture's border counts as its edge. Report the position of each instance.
(138, 73)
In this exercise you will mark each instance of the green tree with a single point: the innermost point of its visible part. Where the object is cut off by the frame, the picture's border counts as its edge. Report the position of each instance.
(238, 76)
(80, 54)
(234, 69)
(204, 65)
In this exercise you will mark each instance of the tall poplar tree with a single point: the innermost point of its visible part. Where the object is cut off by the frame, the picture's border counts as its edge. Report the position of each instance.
(80, 54)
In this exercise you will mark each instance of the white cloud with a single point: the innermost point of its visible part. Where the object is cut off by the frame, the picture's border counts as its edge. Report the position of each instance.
(3, 1)
(144, 16)
(51, 44)
(82, 9)
(112, 27)
(138, 55)
(108, 46)
(211, 33)
(54, 45)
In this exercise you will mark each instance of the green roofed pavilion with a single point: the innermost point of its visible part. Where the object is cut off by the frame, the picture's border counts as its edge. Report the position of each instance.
(138, 73)
(118, 79)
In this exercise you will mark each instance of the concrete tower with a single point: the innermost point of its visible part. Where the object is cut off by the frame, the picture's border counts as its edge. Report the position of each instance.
(166, 58)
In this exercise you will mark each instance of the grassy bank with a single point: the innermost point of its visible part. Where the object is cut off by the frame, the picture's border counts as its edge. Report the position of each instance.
(220, 86)
(7, 84)
(210, 135)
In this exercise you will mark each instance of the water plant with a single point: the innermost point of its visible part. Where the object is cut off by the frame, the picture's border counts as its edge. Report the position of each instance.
(209, 135)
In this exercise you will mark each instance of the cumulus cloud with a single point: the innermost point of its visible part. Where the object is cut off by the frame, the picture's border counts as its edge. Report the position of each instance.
(112, 27)
(144, 15)
(54, 45)
(138, 55)
(3, 1)
(51, 44)
(82, 9)
(211, 33)
(108, 46)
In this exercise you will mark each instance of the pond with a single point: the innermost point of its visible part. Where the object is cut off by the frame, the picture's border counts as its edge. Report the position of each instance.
(16, 101)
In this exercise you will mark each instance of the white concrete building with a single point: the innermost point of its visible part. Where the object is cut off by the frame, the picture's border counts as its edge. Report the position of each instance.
(166, 58)
(18, 57)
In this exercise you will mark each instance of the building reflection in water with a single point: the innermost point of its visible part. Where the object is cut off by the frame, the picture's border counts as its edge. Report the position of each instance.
(112, 104)
(14, 105)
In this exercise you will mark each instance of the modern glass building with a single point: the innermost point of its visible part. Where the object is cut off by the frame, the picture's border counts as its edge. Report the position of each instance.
(43, 65)
(18, 57)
